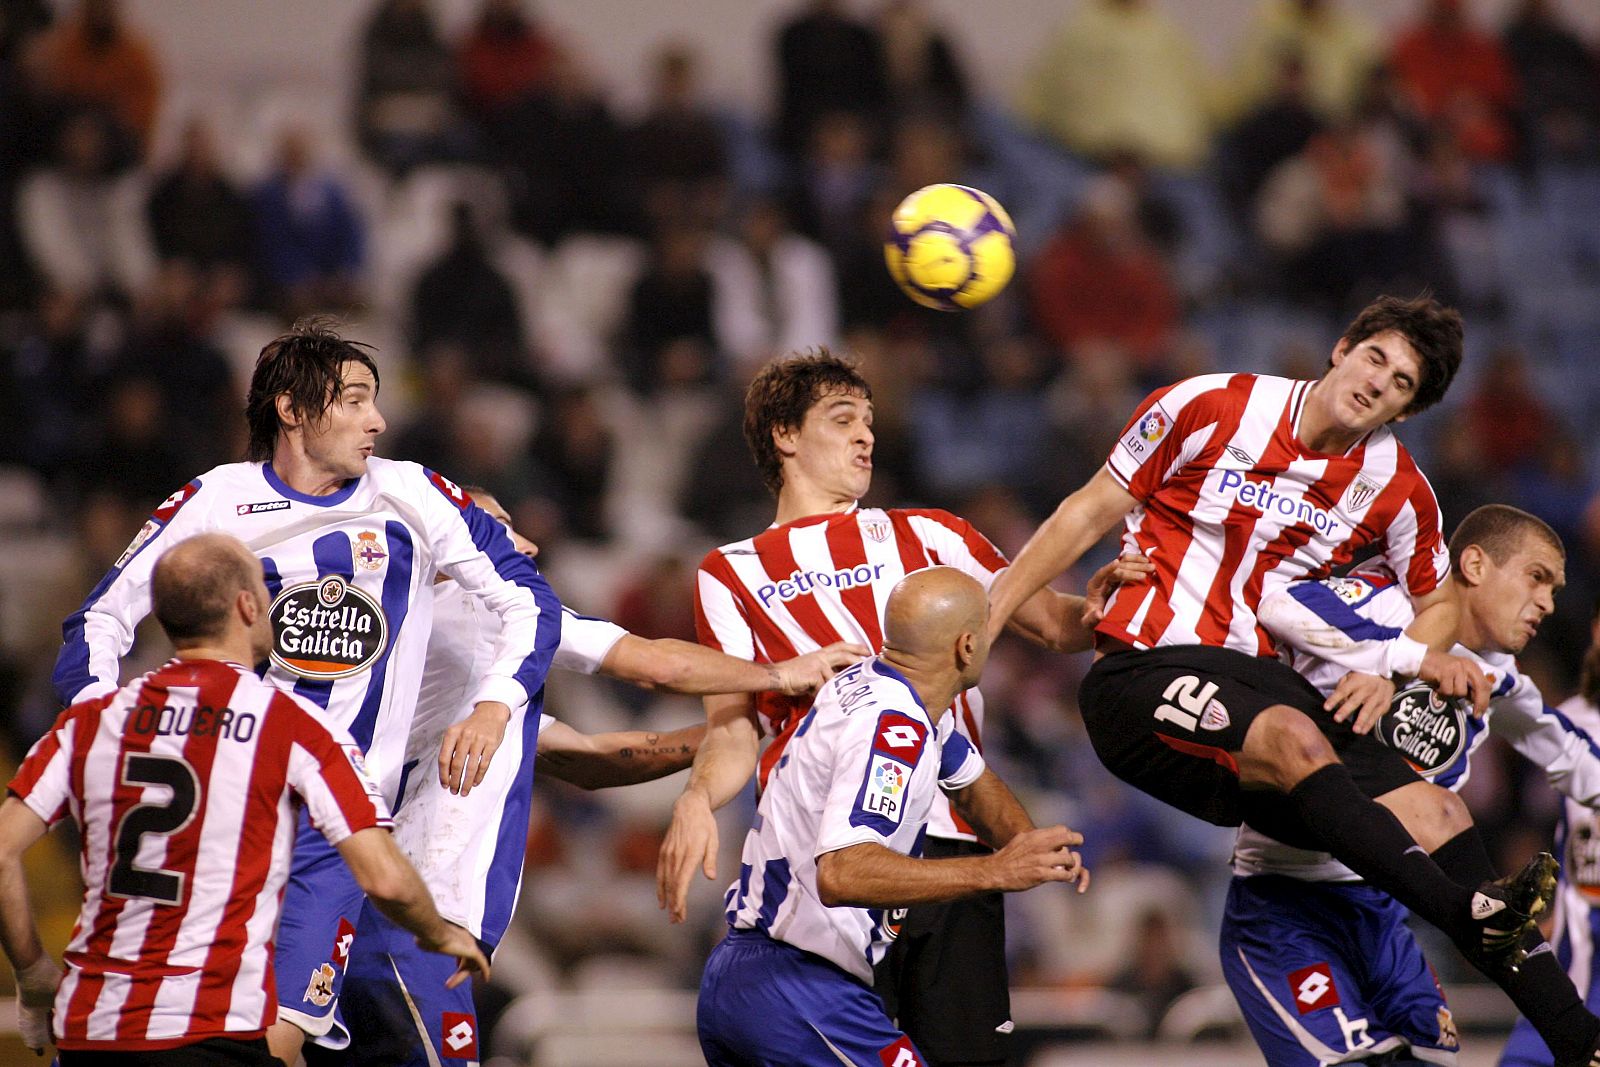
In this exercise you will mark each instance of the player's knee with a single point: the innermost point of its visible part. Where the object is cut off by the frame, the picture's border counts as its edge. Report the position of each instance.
(1431, 814)
(1282, 747)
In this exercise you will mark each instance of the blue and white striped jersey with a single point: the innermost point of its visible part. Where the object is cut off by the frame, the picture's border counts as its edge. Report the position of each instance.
(1576, 929)
(351, 575)
(865, 765)
(469, 849)
(1357, 623)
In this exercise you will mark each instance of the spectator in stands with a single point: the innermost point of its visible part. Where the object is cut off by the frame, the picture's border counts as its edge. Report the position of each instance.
(129, 456)
(1507, 414)
(463, 299)
(567, 158)
(677, 147)
(198, 218)
(837, 179)
(828, 63)
(94, 58)
(48, 391)
(504, 57)
(670, 332)
(406, 97)
(1560, 83)
(777, 287)
(309, 237)
(1120, 74)
(1334, 219)
(1336, 48)
(1459, 78)
(21, 20)
(428, 436)
(920, 65)
(82, 221)
(1098, 281)
(573, 456)
(1156, 974)
(1272, 131)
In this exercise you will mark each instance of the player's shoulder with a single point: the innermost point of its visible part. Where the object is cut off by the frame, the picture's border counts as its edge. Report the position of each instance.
(1220, 388)
(717, 559)
(1581, 711)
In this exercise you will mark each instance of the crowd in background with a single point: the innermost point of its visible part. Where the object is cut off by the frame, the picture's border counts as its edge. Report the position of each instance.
(567, 304)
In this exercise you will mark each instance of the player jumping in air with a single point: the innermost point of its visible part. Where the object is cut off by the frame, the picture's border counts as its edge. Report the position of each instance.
(1234, 485)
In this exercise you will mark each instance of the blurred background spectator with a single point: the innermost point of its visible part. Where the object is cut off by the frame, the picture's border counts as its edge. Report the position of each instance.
(572, 229)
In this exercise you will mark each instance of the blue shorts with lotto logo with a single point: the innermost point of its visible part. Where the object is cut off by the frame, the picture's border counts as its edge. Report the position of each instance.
(321, 908)
(765, 1003)
(395, 1005)
(1329, 973)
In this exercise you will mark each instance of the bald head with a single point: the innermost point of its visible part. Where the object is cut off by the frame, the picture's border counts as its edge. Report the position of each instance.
(194, 590)
(929, 609)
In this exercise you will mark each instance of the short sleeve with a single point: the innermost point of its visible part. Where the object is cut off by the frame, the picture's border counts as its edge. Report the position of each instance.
(960, 763)
(952, 541)
(1413, 543)
(585, 642)
(719, 618)
(44, 781)
(328, 771)
(873, 781)
(1157, 439)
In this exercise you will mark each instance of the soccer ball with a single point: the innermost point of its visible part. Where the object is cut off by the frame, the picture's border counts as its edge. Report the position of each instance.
(950, 247)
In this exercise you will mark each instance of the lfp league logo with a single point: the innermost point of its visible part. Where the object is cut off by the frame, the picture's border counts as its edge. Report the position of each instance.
(1153, 427)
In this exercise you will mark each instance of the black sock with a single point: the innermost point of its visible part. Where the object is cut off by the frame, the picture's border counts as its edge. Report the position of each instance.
(1366, 837)
(1540, 989)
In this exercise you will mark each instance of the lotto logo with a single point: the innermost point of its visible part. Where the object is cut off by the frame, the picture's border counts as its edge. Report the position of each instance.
(900, 1054)
(342, 941)
(1313, 988)
(459, 1034)
(900, 737)
(452, 492)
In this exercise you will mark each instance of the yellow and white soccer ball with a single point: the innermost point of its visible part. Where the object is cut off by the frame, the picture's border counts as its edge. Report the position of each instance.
(950, 247)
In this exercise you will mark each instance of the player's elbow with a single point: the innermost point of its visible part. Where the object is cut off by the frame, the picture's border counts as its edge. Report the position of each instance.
(832, 881)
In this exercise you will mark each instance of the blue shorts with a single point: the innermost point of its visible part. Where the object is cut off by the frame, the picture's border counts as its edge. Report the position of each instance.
(395, 1005)
(764, 1002)
(1328, 973)
(317, 930)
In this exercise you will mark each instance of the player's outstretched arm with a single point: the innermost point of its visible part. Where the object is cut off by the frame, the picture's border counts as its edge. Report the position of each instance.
(1080, 521)
(37, 974)
(725, 762)
(625, 757)
(1064, 622)
(869, 875)
(683, 667)
(387, 877)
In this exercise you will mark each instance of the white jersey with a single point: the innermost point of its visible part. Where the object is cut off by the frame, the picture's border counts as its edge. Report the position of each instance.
(865, 765)
(793, 588)
(469, 849)
(1576, 929)
(181, 784)
(351, 575)
(1356, 624)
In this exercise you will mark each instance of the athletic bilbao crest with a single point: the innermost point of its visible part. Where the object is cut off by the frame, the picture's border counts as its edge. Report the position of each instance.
(1360, 495)
(876, 530)
(1428, 730)
(327, 629)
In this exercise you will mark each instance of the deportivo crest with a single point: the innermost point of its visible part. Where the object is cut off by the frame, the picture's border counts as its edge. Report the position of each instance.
(1360, 494)
(368, 554)
(1449, 1036)
(327, 629)
(1428, 730)
(319, 990)
(876, 530)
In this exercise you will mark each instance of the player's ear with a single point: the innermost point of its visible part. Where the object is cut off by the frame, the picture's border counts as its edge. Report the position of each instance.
(783, 439)
(1341, 349)
(1472, 564)
(287, 416)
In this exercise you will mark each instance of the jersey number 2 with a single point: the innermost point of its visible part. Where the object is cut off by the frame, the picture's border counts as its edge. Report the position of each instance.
(162, 818)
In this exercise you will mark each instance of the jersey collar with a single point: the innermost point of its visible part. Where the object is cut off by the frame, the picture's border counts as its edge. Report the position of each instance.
(282, 488)
(812, 520)
(889, 672)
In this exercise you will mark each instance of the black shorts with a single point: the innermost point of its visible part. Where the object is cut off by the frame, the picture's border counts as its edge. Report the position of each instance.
(1170, 721)
(944, 979)
(215, 1052)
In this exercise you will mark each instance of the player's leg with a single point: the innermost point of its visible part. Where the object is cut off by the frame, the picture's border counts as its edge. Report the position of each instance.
(321, 907)
(764, 1003)
(395, 1004)
(1303, 960)
(955, 1023)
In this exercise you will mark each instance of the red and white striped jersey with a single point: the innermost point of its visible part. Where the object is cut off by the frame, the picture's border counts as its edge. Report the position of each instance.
(794, 588)
(182, 783)
(1232, 506)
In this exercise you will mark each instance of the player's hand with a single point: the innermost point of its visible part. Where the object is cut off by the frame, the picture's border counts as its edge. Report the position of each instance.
(806, 673)
(1366, 696)
(1034, 857)
(1456, 676)
(36, 995)
(1120, 571)
(691, 842)
(470, 744)
(457, 941)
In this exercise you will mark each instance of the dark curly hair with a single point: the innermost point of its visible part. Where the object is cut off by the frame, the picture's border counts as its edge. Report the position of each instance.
(306, 363)
(783, 392)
